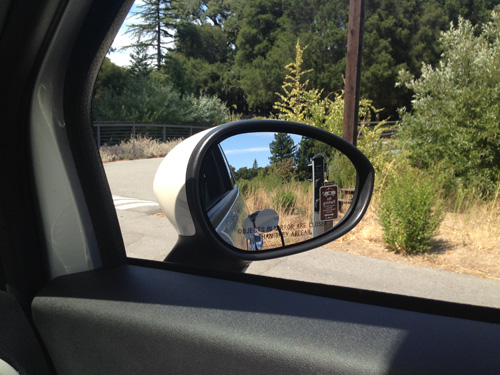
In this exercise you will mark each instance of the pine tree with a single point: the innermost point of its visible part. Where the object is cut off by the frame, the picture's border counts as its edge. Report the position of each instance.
(154, 29)
(282, 148)
(304, 154)
(140, 62)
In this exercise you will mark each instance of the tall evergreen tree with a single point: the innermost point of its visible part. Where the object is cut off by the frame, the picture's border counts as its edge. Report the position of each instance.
(200, 12)
(305, 152)
(282, 148)
(237, 49)
(140, 62)
(154, 29)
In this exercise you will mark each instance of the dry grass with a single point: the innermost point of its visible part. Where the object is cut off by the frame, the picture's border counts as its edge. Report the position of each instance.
(368, 230)
(477, 228)
(290, 221)
(468, 242)
(137, 148)
(296, 223)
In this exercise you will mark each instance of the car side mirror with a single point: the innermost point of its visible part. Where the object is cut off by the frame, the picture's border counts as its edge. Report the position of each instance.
(260, 189)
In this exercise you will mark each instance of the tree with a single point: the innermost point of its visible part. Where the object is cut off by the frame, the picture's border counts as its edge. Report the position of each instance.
(304, 154)
(263, 46)
(403, 34)
(120, 95)
(282, 148)
(110, 77)
(154, 29)
(237, 49)
(321, 25)
(202, 12)
(454, 121)
(140, 65)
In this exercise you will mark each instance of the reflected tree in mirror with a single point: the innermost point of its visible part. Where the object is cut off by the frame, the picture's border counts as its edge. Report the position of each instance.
(285, 189)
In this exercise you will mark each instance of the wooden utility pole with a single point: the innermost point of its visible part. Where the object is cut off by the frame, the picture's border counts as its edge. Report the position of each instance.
(353, 69)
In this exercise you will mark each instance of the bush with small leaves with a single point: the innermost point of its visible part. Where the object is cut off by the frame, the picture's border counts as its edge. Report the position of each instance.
(410, 210)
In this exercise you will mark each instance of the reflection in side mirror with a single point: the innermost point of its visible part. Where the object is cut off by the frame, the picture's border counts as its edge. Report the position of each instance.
(268, 190)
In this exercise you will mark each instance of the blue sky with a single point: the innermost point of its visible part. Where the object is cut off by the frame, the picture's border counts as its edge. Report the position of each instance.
(122, 57)
(241, 150)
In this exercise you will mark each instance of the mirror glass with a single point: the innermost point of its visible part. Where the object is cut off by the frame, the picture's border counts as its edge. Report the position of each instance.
(268, 190)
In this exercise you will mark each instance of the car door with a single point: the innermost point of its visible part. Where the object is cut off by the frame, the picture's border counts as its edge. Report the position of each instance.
(88, 309)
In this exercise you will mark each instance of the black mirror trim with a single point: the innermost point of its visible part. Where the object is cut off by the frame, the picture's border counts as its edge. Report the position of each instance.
(360, 202)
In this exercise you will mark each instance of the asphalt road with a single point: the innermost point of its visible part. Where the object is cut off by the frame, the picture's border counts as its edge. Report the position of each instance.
(147, 234)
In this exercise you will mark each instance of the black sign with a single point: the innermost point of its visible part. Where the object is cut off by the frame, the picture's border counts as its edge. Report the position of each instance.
(328, 202)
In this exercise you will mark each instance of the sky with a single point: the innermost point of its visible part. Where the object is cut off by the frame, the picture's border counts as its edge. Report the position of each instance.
(242, 150)
(118, 57)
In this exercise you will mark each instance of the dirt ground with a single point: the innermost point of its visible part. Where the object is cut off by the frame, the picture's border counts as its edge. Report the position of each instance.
(465, 244)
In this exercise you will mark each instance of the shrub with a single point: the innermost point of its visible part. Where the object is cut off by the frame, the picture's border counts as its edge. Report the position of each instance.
(342, 171)
(138, 147)
(410, 210)
(455, 115)
(150, 99)
(284, 200)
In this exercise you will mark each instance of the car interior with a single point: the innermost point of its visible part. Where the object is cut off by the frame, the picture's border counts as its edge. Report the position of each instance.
(72, 302)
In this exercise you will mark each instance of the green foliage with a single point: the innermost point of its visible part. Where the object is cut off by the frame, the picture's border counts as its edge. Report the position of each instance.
(342, 171)
(410, 210)
(266, 181)
(401, 34)
(282, 149)
(140, 65)
(245, 173)
(378, 150)
(122, 96)
(203, 42)
(284, 169)
(302, 104)
(237, 50)
(111, 77)
(455, 119)
(284, 200)
(297, 101)
(153, 28)
(303, 156)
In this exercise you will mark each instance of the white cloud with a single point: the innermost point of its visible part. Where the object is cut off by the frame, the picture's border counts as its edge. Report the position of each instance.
(122, 57)
(246, 150)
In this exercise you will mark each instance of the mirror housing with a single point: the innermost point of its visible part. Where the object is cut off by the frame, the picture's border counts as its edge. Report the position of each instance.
(179, 192)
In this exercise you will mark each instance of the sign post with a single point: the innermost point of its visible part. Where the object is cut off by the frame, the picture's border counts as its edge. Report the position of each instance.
(318, 177)
(325, 198)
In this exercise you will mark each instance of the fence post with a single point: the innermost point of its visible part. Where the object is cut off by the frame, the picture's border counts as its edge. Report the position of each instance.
(133, 130)
(164, 135)
(98, 135)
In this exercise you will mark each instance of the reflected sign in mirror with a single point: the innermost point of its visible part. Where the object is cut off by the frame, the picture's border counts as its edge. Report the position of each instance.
(268, 190)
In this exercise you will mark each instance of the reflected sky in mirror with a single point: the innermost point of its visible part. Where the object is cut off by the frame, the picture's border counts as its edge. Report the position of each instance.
(244, 149)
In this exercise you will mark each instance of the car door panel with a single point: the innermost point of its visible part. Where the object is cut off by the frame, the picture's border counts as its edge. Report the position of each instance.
(134, 319)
